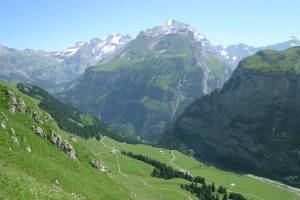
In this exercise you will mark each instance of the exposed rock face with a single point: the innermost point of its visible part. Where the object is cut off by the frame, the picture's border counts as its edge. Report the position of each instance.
(252, 124)
(64, 145)
(21, 106)
(36, 117)
(14, 137)
(99, 166)
(39, 131)
(68, 149)
(28, 149)
(3, 124)
(12, 109)
(56, 138)
(14, 104)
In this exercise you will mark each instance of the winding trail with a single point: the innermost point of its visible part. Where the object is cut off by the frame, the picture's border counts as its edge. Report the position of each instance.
(175, 165)
(140, 180)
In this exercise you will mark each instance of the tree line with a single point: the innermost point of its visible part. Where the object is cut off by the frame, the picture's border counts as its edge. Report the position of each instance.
(198, 185)
(71, 119)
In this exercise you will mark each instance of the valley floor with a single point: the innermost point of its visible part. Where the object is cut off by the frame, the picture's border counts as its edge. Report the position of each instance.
(135, 175)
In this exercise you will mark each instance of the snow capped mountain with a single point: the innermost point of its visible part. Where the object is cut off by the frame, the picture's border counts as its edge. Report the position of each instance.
(69, 51)
(96, 49)
(172, 26)
(235, 53)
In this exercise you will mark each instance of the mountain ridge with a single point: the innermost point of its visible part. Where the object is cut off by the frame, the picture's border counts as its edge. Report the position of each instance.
(250, 124)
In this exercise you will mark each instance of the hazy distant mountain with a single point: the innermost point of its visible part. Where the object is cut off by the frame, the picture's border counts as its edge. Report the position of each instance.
(235, 53)
(44, 68)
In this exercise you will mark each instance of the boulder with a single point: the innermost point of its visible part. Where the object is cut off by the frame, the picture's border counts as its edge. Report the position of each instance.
(39, 131)
(68, 149)
(3, 125)
(13, 100)
(98, 166)
(8, 92)
(12, 109)
(36, 117)
(28, 149)
(56, 139)
(21, 106)
(15, 139)
(49, 117)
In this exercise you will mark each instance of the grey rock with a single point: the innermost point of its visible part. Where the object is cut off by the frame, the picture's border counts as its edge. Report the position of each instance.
(64, 145)
(56, 139)
(3, 124)
(68, 149)
(12, 109)
(99, 166)
(21, 106)
(8, 92)
(39, 131)
(36, 117)
(15, 139)
(12, 100)
(28, 149)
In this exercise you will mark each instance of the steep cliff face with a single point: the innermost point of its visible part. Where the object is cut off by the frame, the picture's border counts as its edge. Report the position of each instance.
(154, 78)
(251, 124)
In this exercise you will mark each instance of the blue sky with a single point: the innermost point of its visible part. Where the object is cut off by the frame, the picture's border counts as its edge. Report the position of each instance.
(57, 24)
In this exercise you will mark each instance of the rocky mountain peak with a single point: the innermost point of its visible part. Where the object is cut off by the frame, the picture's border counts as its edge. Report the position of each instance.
(172, 26)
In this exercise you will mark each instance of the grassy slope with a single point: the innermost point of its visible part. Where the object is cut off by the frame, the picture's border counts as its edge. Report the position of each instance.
(274, 61)
(25, 175)
(135, 173)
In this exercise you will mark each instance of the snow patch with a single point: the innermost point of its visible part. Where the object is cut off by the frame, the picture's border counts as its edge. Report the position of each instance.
(223, 53)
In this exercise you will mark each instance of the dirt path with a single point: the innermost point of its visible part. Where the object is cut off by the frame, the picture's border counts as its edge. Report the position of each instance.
(173, 159)
(140, 180)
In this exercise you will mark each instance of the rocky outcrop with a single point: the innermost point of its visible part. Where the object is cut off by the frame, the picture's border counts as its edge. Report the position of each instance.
(21, 106)
(14, 137)
(64, 145)
(14, 105)
(99, 166)
(36, 116)
(68, 149)
(39, 131)
(3, 124)
(28, 149)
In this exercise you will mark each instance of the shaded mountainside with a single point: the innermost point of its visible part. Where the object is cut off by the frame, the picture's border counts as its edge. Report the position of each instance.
(152, 81)
(71, 119)
(39, 161)
(252, 124)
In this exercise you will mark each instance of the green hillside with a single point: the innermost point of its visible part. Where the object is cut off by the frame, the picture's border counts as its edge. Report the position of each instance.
(31, 167)
(41, 165)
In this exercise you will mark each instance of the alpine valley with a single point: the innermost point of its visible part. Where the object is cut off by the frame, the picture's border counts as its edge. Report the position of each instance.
(163, 116)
